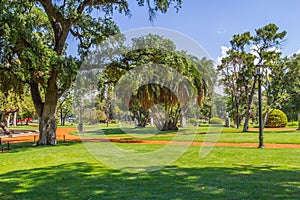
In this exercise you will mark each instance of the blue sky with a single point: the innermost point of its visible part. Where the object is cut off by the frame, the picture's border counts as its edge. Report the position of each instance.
(212, 23)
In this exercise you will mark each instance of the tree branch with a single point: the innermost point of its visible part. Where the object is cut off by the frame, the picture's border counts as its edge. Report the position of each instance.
(54, 16)
(86, 3)
(36, 97)
(60, 25)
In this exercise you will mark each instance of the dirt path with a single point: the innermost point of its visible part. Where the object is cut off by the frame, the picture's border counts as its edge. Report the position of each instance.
(61, 134)
(64, 134)
(273, 129)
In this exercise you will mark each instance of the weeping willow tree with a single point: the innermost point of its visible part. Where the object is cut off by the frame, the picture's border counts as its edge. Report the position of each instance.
(165, 78)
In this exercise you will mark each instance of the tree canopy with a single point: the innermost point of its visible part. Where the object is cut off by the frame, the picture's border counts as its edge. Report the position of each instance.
(33, 43)
(239, 71)
(153, 72)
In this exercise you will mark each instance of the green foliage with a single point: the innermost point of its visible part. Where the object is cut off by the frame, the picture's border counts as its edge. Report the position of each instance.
(156, 55)
(215, 121)
(292, 124)
(193, 121)
(292, 106)
(238, 70)
(57, 120)
(276, 119)
(101, 116)
(33, 44)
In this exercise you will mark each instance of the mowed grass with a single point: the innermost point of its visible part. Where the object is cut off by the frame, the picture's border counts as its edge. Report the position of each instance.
(69, 171)
(220, 134)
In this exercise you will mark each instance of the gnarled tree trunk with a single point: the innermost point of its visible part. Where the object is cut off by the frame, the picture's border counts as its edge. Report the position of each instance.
(167, 121)
(170, 125)
(46, 111)
(47, 129)
(5, 129)
(5, 120)
(142, 117)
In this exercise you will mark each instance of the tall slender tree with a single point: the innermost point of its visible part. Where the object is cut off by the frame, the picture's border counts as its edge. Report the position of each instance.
(238, 69)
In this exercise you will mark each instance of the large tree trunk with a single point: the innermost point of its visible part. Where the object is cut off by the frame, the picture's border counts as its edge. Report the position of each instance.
(170, 125)
(182, 122)
(142, 117)
(47, 128)
(167, 120)
(246, 123)
(46, 111)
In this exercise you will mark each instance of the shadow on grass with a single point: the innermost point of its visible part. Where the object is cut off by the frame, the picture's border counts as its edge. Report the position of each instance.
(104, 131)
(24, 146)
(117, 131)
(92, 181)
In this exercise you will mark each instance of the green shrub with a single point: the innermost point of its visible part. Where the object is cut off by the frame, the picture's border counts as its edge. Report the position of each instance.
(215, 121)
(204, 125)
(113, 121)
(102, 121)
(202, 121)
(276, 119)
(193, 121)
(292, 124)
(101, 116)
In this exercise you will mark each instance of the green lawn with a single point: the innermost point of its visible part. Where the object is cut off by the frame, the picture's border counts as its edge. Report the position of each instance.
(31, 126)
(34, 126)
(226, 134)
(69, 171)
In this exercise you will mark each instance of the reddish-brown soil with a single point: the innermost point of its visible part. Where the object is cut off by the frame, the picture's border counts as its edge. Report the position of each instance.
(274, 129)
(63, 134)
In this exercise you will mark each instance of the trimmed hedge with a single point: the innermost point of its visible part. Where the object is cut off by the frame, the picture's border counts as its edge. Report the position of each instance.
(276, 119)
(292, 124)
(215, 121)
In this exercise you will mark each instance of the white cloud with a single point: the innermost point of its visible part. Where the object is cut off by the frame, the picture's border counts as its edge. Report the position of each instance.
(298, 52)
(223, 55)
(221, 32)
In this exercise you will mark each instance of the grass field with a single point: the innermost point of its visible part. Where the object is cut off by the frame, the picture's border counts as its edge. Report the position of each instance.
(231, 135)
(70, 171)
